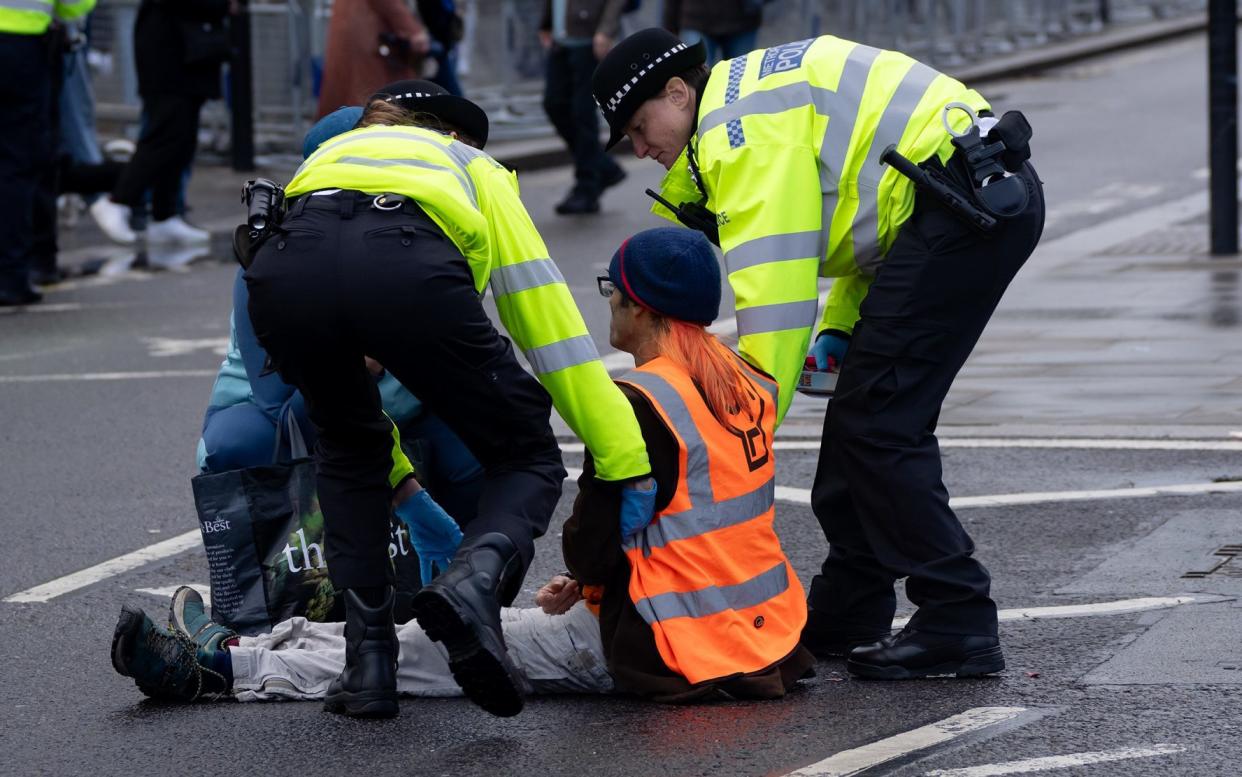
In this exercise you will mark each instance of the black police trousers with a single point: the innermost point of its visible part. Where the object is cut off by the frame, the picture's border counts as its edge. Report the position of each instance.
(878, 491)
(342, 280)
(27, 150)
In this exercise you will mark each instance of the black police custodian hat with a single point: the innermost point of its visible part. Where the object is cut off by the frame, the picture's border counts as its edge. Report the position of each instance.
(427, 97)
(636, 70)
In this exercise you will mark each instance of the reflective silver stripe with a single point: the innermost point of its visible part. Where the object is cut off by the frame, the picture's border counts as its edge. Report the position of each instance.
(892, 126)
(41, 6)
(562, 354)
(512, 278)
(776, 318)
(460, 153)
(714, 599)
(698, 459)
(466, 184)
(710, 516)
(775, 248)
(777, 100)
(842, 108)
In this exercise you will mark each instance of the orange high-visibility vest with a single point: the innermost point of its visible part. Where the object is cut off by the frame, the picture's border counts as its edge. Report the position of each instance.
(708, 574)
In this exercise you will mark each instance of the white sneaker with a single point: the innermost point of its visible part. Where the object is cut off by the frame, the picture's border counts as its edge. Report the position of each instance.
(175, 230)
(113, 219)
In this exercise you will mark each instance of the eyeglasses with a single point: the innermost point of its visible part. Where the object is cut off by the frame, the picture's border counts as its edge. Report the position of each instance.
(606, 286)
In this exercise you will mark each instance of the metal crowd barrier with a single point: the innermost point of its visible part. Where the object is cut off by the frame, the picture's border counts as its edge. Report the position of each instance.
(502, 62)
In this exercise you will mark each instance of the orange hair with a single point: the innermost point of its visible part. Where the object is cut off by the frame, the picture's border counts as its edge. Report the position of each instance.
(712, 366)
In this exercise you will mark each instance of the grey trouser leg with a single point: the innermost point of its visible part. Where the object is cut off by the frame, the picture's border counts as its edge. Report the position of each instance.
(298, 659)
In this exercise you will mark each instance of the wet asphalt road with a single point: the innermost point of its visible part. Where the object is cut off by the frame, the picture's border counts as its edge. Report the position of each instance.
(97, 465)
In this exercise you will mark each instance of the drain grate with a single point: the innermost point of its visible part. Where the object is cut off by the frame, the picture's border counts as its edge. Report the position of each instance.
(1222, 568)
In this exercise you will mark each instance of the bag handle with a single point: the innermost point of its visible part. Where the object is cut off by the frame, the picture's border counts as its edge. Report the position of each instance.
(289, 430)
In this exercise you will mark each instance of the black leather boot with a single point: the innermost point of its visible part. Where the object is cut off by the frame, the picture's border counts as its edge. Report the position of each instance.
(461, 608)
(368, 686)
(909, 654)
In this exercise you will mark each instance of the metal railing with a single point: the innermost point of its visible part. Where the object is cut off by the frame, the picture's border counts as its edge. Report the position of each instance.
(502, 62)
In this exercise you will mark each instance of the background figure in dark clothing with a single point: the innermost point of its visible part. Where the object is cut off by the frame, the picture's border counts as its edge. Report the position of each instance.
(727, 27)
(577, 34)
(179, 47)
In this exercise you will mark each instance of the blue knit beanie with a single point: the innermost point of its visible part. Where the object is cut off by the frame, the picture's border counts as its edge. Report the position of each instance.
(671, 271)
(341, 120)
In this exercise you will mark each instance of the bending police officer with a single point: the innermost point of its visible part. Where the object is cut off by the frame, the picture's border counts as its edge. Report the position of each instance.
(784, 146)
(392, 232)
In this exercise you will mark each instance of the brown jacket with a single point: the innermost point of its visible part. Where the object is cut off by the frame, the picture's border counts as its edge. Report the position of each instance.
(592, 547)
(584, 18)
(353, 68)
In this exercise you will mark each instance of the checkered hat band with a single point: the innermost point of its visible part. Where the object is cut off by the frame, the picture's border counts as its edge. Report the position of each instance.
(392, 97)
(616, 99)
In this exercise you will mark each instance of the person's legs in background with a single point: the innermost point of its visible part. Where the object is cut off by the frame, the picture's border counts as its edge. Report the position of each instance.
(446, 69)
(739, 44)
(165, 148)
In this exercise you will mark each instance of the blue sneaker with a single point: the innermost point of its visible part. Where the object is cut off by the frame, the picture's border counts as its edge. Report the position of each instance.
(162, 662)
(187, 614)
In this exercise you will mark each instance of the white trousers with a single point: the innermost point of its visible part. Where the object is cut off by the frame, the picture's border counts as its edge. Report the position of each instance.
(298, 659)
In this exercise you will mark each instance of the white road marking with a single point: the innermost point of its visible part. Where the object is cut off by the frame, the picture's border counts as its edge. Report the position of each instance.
(803, 495)
(88, 376)
(46, 307)
(171, 346)
(1056, 443)
(856, 760)
(167, 591)
(1058, 762)
(1044, 443)
(110, 568)
(1118, 607)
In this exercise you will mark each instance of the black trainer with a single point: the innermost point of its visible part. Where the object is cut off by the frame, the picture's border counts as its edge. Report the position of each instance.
(910, 654)
(612, 177)
(461, 608)
(367, 688)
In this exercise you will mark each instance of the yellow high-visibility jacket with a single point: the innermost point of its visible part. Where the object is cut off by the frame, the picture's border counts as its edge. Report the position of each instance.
(475, 201)
(33, 17)
(788, 141)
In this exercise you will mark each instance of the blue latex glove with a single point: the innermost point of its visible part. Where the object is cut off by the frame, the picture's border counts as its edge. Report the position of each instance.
(637, 508)
(829, 343)
(433, 533)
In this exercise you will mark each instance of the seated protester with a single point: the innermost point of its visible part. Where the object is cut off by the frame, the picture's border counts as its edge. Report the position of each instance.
(700, 603)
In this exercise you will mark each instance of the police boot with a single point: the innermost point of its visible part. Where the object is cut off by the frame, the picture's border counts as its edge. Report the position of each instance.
(461, 608)
(367, 688)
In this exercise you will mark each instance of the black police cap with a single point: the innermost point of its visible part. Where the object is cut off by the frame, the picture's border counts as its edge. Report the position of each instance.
(428, 97)
(636, 70)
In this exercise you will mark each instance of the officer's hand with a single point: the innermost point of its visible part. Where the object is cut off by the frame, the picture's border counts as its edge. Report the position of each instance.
(545, 39)
(434, 535)
(637, 505)
(558, 595)
(829, 344)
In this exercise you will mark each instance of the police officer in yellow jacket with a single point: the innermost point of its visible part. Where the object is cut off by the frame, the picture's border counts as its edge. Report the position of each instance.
(783, 147)
(392, 233)
(27, 148)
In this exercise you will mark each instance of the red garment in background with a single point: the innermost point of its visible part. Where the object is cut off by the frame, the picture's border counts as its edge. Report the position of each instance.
(353, 68)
